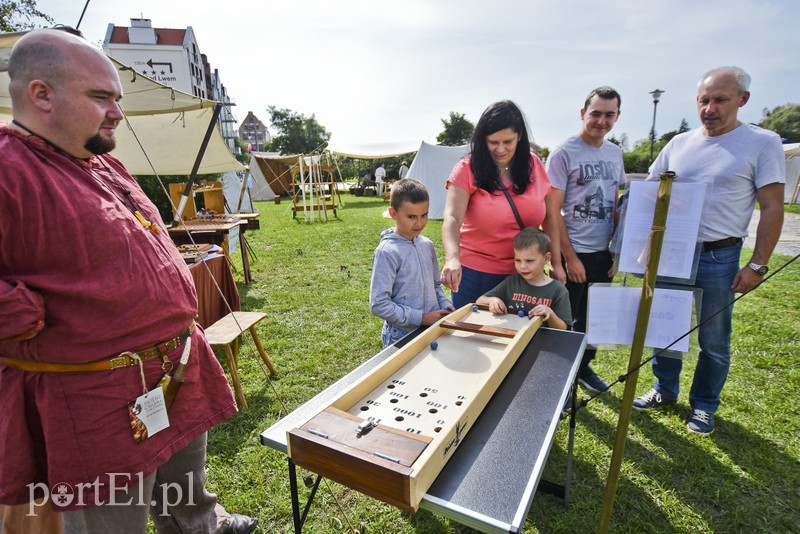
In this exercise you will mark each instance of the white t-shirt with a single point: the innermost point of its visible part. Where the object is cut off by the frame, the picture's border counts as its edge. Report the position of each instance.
(380, 174)
(734, 165)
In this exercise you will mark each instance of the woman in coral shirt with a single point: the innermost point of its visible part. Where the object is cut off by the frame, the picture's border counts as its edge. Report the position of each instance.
(479, 223)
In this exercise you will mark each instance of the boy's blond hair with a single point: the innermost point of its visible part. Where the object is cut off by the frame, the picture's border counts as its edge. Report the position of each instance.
(532, 237)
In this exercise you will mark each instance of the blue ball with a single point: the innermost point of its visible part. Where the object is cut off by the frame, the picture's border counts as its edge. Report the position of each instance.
(434, 345)
(521, 313)
(475, 308)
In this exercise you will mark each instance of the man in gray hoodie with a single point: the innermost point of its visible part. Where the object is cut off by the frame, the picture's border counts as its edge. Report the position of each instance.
(405, 290)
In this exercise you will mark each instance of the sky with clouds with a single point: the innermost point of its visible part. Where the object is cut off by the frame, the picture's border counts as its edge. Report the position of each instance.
(378, 71)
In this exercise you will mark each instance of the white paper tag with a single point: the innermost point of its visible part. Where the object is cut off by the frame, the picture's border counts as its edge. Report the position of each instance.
(148, 414)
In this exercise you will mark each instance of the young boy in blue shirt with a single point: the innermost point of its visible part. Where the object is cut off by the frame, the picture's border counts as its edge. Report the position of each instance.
(405, 290)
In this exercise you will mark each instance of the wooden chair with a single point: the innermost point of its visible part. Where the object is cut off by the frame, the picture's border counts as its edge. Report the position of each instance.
(226, 332)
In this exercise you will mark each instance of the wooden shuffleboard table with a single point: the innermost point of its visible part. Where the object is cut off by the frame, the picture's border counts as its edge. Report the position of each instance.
(490, 477)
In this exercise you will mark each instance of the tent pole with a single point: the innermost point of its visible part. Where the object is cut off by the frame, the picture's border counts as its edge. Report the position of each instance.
(321, 191)
(242, 190)
(654, 243)
(302, 187)
(190, 183)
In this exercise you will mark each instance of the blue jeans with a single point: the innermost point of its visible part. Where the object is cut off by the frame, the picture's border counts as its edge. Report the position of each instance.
(473, 285)
(715, 274)
(391, 334)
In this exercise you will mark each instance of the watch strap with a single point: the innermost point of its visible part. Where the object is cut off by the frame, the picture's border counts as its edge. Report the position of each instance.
(760, 269)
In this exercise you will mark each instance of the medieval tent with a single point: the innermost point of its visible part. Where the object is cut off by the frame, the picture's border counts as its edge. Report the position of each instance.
(166, 126)
(164, 132)
(271, 174)
(792, 189)
(373, 150)
(432, 166)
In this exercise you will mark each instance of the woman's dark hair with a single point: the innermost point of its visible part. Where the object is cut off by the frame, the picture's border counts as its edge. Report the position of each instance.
(499, 116)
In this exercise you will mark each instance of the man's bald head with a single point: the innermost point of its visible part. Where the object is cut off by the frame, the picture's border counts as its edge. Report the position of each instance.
(46, 55)
(66, 91)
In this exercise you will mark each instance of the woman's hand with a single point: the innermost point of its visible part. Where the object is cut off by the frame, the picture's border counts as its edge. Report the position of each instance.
(451, 274)
(454, 209)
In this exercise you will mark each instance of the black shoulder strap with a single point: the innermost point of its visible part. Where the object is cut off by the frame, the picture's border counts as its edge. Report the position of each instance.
(513, 206)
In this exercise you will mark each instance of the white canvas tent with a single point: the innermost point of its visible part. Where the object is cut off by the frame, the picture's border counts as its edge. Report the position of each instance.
(432, 166)
(257, 181)
(169, 124)
(792, 189)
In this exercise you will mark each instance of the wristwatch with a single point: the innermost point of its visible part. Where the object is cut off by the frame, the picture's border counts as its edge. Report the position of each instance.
(760, 269)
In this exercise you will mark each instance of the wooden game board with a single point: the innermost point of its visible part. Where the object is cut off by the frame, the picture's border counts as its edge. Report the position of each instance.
(390, 434)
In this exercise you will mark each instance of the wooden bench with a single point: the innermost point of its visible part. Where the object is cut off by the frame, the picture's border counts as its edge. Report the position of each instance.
(226, 332)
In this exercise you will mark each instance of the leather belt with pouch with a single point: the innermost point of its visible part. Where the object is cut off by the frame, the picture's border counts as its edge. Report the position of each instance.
(118, 362)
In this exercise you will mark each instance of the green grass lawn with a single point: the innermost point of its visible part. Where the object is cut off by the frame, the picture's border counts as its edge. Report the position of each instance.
(313, 282)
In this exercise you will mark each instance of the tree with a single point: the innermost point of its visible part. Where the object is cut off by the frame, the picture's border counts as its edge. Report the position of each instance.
(297, 134)
(457, 130)
(638, 159)
(684, 127)
(622, 142)
(19, 15)
(783, 120)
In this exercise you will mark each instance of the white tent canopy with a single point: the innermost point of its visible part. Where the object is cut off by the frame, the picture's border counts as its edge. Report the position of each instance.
(169, 124)
(373, 150)
(792, 154)
(258, 184)
(432, 166)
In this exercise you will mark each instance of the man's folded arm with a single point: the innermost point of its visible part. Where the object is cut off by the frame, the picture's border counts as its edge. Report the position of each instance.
(21, 311)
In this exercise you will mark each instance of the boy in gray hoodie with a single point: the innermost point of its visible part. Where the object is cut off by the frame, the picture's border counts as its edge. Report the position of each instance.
(405, 290)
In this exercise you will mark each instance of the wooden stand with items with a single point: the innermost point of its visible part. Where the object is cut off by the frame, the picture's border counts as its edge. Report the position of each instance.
(225, 334)
(213, 198)
(391, 434)
(211, 224)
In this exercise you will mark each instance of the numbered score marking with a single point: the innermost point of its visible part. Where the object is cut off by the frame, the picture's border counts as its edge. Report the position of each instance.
(428, 392)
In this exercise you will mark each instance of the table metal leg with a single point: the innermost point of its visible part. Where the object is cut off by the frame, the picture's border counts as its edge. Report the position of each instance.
(245, 260)
(571, 445)
(559, 490)
(299, 520)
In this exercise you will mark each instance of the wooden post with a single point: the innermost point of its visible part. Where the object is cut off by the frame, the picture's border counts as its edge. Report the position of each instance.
(242, 190)
(642, 319)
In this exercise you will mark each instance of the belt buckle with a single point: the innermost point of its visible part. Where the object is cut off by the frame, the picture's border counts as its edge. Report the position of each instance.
(118, 362)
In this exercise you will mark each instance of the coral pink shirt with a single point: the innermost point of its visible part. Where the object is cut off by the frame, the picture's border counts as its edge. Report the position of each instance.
(489, 226)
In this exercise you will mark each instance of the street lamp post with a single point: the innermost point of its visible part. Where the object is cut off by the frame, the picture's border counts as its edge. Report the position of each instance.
(656, 96)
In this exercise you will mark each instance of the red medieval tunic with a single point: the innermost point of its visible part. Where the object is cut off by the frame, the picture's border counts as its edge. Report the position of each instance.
(72, 253)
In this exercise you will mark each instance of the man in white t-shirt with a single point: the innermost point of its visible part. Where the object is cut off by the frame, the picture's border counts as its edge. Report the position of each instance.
(741, 163)
(586, 173)
(380, 178)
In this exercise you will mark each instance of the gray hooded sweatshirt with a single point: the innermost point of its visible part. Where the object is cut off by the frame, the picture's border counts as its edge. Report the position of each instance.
(405, 280)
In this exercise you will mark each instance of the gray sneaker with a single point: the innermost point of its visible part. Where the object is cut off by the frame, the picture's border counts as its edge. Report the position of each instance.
(650, 400)
(701, 422)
